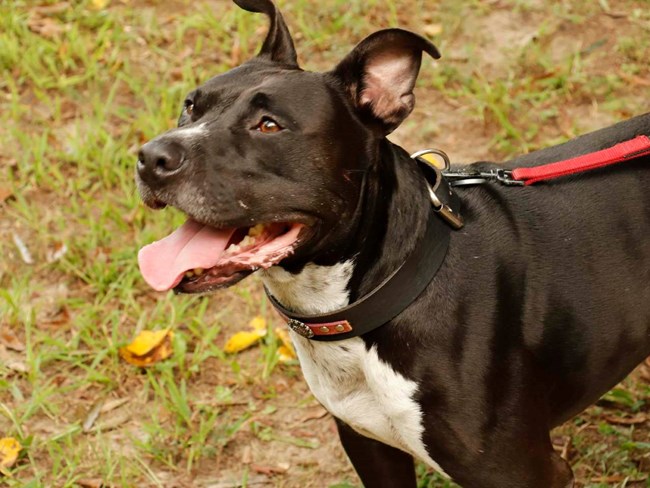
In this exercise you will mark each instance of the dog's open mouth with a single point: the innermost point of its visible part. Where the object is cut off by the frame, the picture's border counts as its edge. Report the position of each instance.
(197, 258)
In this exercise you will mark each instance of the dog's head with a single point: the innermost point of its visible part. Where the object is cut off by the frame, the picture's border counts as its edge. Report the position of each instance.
(268, 160)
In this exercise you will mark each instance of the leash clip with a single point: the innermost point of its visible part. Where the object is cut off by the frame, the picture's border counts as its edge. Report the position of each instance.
(445, 211)
(440, 207)
(504, 176)
(466, 178)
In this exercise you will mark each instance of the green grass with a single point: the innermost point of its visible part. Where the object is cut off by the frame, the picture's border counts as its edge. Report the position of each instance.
(82, 88)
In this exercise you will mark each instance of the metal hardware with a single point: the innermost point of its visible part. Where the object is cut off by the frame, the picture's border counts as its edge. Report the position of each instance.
(437, 152)
(340, 328)
(450, 217)
(445, 211)
(505, 177)
(300, 328)
(463, 178)
(468, 181)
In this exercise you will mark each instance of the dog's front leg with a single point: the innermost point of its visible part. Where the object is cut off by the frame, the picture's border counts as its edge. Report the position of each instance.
(377, 464)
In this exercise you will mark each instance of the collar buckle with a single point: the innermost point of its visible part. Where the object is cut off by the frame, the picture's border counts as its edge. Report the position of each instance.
(300, 328)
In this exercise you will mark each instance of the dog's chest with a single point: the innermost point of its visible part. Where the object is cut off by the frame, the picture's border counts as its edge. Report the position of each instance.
(356, 386)
(346, 377)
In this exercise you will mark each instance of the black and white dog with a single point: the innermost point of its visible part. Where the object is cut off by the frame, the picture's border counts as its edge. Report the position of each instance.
(541, 305)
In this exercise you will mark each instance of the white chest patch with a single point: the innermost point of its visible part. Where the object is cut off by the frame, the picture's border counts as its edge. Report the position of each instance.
(316, 289)
(351, 382)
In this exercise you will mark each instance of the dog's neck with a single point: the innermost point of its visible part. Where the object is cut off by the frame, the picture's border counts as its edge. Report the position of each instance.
(392, 219)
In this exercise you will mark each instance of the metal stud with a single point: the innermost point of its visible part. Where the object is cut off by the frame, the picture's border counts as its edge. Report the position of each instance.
(300, 328)
(324, 329)
(339, 328)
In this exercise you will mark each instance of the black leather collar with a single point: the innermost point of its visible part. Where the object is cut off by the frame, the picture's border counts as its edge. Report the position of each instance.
(397, 291)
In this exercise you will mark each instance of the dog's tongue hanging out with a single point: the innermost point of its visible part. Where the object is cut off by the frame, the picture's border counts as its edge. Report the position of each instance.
(191, 246)
(219, 252)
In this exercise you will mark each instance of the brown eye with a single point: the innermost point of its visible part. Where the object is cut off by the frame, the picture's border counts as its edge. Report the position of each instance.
(189, 107)
(268, 125)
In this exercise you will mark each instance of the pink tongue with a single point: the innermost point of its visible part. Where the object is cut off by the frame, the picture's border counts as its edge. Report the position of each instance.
(193, 245)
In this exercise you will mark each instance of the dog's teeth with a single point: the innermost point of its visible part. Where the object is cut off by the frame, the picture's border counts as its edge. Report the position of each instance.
(189, 274)
(198, 271)
(256, 230)
(246, 241)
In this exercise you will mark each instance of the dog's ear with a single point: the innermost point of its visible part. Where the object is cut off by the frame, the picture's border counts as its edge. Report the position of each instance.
(278, 45)
(380, 73)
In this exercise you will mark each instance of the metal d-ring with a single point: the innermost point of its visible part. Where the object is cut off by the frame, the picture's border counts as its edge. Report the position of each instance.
(437, 204)
(437, 152)
(445, 211)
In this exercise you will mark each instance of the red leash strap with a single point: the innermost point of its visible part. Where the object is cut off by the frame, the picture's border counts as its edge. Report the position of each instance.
(625, 151)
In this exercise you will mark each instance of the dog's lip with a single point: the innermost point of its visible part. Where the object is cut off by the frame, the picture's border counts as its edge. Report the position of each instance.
(156, 204)
(191, 288)
(153, 202)
(238, 223)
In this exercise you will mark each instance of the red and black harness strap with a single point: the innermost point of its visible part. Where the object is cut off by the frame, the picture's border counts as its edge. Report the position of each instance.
(624, 151)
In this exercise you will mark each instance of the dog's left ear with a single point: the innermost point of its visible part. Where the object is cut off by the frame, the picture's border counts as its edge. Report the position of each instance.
(380, 73)
(278, 45)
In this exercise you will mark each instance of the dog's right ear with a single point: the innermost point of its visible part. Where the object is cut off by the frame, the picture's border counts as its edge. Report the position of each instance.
(380, 73)
(278, 45)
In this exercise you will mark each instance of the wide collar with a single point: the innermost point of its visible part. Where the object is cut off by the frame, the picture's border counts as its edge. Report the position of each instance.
(401, 287)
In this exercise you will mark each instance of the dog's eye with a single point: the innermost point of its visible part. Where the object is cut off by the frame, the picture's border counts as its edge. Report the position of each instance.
(189, 107)
(267, 125)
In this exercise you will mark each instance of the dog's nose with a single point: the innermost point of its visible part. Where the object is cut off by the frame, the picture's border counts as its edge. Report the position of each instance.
(160, 159)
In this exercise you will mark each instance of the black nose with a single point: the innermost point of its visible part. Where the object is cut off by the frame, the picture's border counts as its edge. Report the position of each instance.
(159, 160)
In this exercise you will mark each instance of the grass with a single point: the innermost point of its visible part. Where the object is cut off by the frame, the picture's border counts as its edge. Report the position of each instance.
(83, 85)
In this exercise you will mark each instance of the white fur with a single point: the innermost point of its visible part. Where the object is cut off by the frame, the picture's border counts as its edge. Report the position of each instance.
(316, 289)
(191, 132)
(351, 382)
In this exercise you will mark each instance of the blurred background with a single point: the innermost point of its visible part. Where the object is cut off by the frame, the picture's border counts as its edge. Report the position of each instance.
(84, 83)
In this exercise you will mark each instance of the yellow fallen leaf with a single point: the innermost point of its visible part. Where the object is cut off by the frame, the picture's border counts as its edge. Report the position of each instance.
(149, 347)
(9, 450)
(146, 340)
(433, 30)
(242, 340)
(282, 333)
(245, 339)
(285, 354)
(258, 324)
(99, 4)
